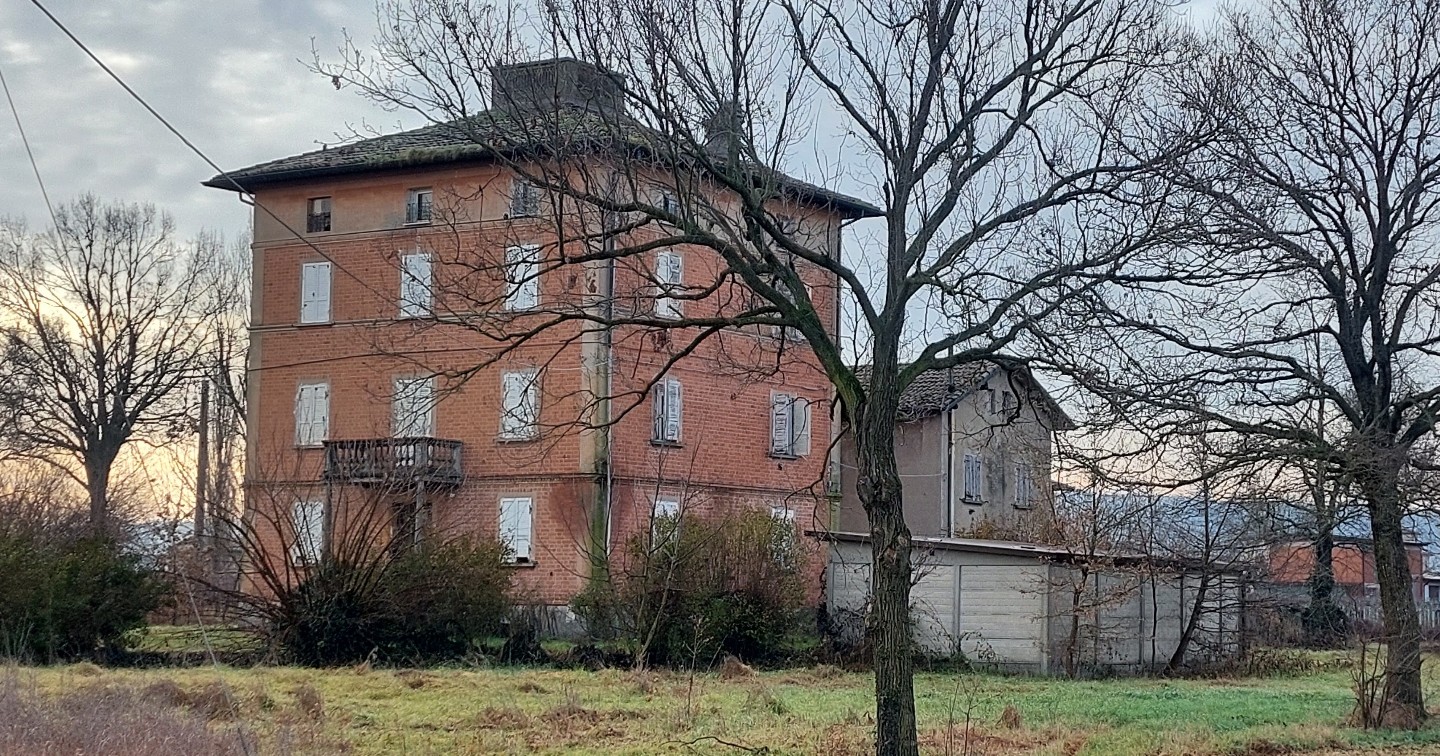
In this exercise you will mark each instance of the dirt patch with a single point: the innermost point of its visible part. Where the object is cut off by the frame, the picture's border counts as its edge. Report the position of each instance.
(734, 669)
(507, 718)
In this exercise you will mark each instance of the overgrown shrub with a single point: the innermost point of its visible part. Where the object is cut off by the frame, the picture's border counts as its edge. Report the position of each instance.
(695, 591)
(66, 598)
(430, 603)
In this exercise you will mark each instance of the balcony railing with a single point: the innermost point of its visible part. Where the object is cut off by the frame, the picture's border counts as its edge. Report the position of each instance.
(393, 461)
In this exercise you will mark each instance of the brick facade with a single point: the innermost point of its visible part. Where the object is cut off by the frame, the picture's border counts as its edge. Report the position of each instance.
(722, 462)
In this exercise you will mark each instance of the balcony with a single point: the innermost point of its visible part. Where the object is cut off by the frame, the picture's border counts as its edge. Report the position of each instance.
(393, 462)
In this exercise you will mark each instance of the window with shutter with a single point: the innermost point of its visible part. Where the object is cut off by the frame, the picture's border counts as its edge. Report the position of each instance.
(524, 199)
(782, 535)
(517, 521)
(522, 277)
(317, 215)
(413, 408)
(415, 285)
(418, 206)
(1024, 486)
(308, 521)
(973, 483)
(315, 292)
(667, 411)
(789, 425)
(520, 405)
(670, 279)
(312, 413)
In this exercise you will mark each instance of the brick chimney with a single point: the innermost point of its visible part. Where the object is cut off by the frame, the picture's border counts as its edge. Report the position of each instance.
(545, 86)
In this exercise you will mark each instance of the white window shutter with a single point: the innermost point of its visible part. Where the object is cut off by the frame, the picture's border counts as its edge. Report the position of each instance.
(520, 405)
(312, 413)
(517, 518)
(416, 285)
(315, 292)
(308, 520)
(657, 411)
(670, 277)
(522, 269)
(781, 440)
(801, 418)
(672, 410)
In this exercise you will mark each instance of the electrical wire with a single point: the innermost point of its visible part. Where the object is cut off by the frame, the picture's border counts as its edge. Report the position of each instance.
(191, 145)
(34, 166)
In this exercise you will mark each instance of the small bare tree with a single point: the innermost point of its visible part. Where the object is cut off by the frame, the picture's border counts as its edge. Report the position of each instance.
(106, 319)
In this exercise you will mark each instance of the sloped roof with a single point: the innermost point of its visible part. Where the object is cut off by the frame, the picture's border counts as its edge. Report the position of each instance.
(940, 389)
(485, 135)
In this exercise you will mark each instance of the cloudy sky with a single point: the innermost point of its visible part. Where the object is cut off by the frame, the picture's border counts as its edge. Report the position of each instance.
(229, 75)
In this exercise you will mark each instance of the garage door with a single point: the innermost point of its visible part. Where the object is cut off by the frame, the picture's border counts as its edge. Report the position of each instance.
(932, 607)
(1002, 611)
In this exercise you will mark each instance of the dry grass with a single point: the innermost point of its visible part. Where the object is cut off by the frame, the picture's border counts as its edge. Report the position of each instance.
(822, 710)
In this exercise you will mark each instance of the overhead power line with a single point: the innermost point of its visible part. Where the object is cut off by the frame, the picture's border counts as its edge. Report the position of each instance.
(186, 141)
(34, 166)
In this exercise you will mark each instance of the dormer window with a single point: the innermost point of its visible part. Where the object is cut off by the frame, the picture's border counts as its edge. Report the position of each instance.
(317, 216)
(417, 206)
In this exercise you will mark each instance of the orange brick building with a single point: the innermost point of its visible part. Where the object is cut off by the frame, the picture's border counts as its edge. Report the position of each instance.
(1353, 563)
(395, 384)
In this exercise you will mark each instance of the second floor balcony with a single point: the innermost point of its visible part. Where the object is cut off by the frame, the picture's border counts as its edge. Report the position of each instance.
(400, 462)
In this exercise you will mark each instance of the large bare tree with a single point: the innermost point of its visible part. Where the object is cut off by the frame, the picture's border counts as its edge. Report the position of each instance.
(989, 135)
(1309, 276)
(106, 319)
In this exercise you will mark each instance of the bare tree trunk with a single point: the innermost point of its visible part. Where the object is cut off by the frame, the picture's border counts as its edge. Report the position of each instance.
(1325, 624)
(889, 624)
(1182, 648)
(97, 488)
(1404, 701)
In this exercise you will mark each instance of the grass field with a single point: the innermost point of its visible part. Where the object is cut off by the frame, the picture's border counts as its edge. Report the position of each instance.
(802, 711)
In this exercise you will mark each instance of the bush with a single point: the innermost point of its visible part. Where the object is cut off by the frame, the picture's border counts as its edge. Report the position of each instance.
(69, 598)
(708, 589)
(430, 603)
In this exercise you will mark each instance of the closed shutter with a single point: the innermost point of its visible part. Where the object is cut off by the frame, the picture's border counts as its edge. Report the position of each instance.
(973, 478)
(780, 434)
(520, 405)
(415, 285)
(315, 292)
(312, 414)
(413, 408)
(522, 277)
(517, 518)
(308, 521)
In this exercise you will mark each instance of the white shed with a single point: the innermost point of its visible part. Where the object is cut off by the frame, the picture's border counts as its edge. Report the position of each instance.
(1030, 608)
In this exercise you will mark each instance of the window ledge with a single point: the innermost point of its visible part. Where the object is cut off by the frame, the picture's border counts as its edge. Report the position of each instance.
(528, 564)
(517, 439)
(409, 224)
(662, 443)
(776, 455)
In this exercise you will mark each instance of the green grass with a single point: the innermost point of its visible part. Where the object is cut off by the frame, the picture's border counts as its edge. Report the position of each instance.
(801, 711)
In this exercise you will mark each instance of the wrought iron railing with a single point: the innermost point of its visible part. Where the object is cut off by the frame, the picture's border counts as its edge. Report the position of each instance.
(400, 461)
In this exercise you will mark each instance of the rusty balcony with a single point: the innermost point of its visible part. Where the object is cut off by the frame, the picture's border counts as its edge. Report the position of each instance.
(400, 462)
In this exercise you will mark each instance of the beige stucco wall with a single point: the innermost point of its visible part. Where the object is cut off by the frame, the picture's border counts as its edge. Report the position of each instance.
(1001, 439)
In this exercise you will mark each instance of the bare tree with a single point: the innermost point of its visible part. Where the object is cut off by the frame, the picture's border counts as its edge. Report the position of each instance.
(991, 133)
(1313, 208)
(106, 320)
